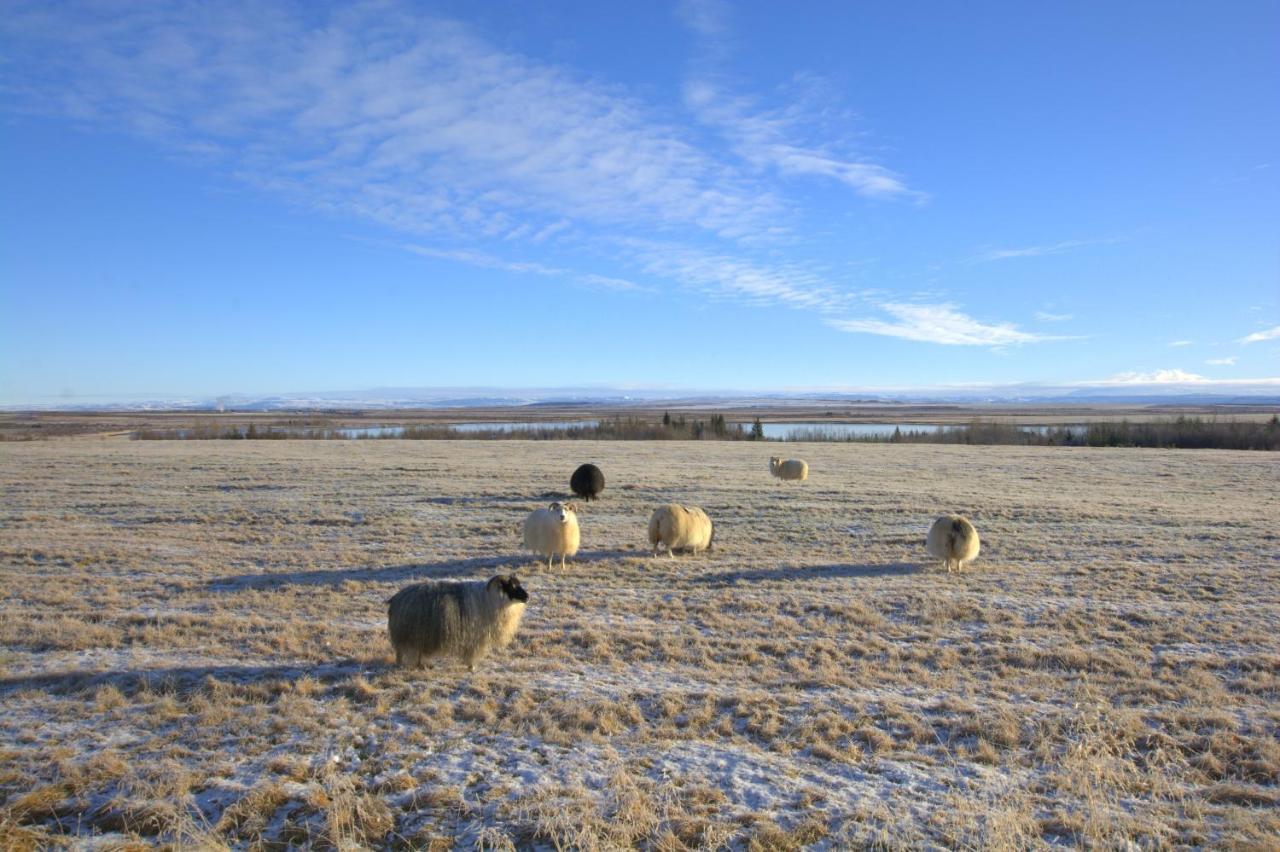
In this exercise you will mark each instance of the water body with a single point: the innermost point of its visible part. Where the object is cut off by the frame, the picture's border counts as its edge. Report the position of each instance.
(775, 431)
(788, 431)
(397, 431)
(843, 430)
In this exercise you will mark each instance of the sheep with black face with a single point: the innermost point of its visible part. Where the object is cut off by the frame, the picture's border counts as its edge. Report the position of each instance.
(463, 618)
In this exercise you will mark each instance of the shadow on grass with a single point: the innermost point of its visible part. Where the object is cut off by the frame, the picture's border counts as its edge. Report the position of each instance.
(536, 499)
(183, 679)
(476, 568)
(809, 572)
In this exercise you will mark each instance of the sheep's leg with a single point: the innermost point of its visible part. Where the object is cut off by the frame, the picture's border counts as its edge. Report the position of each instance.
(671, 552)
(561, 561)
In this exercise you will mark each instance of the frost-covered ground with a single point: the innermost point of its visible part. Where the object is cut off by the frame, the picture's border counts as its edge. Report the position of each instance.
(193, 648)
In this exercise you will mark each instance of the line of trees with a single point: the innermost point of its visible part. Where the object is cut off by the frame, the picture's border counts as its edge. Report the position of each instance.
(1180, 432)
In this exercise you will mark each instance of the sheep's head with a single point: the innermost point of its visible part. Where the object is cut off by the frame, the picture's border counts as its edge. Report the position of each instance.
(774, 461)
(561, 511)
(510, 587)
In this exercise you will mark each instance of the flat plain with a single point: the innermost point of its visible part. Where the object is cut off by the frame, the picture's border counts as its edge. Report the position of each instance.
(193, 648)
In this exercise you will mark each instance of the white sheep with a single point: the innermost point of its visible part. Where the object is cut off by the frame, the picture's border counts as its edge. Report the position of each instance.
(796, 469)
(678, 527)
(465, 618)
(553, 530)
(953, 540)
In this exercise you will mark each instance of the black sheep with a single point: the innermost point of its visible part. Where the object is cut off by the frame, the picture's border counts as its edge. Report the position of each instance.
(587, 481)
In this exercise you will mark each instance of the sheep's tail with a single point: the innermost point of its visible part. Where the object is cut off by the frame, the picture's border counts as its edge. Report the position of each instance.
(655, 531)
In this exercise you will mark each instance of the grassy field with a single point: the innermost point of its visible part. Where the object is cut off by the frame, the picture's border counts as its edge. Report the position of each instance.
(193, 648)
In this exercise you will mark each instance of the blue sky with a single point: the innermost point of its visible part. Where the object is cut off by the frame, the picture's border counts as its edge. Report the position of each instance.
(215, 198)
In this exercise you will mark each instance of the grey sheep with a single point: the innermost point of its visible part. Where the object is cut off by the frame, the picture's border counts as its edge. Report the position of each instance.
(463, 618)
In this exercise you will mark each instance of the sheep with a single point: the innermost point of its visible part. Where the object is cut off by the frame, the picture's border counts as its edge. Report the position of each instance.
(553, 530)
(587, 481)
(790, 469)
(678, 527)
(953, 539)
(464, 618)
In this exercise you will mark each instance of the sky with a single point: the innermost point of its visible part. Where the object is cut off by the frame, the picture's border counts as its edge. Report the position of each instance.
(285, 197)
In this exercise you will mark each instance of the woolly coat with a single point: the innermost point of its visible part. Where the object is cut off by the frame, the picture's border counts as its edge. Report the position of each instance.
(677, 527)
(954, 540)
(552, 531)
(466, 619)
(796, 469)
(587, 481)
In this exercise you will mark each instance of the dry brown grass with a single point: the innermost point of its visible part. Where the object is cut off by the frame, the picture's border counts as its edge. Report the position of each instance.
(193, 649)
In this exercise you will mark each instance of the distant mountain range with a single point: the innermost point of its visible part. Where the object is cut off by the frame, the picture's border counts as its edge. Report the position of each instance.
(1261, 392)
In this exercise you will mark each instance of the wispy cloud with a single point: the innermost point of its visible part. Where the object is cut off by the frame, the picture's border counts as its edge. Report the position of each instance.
(1259, 336)
(719, 275)
(608, 282)
(939, 324)
(376, 110)
(767, 140)
(1045, 316)
(1180, 343)
(988, 255)
(526, 268)
(1221, 362)
(784, 139)
(488, 261)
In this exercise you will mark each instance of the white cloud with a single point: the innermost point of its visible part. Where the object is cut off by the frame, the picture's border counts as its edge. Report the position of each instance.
(488, 261)
(607, 282)
(1259, 336)
(786, 139)
(939, 324)
(719, 275)
(378, 111)
(1181, 343)
(1221, 362)
(767, 140)
(1157, 377)
(1039, 251)
(1045, 316)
